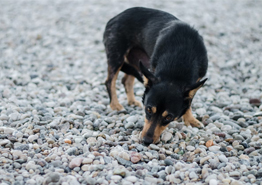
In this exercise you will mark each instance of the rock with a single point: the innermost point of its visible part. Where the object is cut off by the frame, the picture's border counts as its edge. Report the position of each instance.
(257, 114)
(234, 125)
(75, 162)
(254, 101)
(154, 147)
(71, 151)
(168, 162)
(91, 140)
(68, 141)
(32, 138)
(193, 175)
(214, 148)
(120, 171)
(166, 136)
(4, 142)
(135, 157)
(123, 161)
(210, 177)
(30, 165)
(71, 180)
(132, 119)
(190, 148)
(234, 174)
(239, 147)
(124, 155)
(213, 182)
(116, 177)
(129, 125)
(22, 147)
(249, 150)
(209, 143)
(52, 178)
(201, 111)
(85, 167)
(204, 159)
(223, 158)
(87, 161)
(242, 156)
(8, 130)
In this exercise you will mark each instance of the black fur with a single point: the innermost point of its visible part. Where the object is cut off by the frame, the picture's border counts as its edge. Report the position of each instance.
(172, 50)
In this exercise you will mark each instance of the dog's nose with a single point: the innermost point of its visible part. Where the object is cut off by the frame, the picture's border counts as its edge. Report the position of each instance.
(147, 141)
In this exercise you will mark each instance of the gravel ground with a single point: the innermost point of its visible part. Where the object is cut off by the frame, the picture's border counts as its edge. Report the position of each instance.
(56, 126)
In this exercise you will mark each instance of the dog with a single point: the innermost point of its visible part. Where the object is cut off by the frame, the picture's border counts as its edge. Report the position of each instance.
(164, 53)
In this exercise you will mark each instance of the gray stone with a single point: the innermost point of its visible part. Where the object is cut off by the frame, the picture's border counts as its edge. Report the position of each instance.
(154, 147)
(52, 178)
(234, 125)
(223, 158)
(132, 119)
(71, 151)
(22, 147)
(168, 162)
(123, 161)
(129, 125)
(193, 175)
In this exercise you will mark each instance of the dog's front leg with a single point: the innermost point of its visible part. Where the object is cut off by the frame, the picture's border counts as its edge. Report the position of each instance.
(189, 119)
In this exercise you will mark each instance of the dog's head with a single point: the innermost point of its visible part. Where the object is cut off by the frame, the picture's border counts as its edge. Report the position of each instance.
(164, 102)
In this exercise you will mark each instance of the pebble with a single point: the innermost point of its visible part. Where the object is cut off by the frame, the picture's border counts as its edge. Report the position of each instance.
(209, 143)
(214, 148)
(193, 175)
(68, 141)
(234, 174)
(32, 138)
(242, 156)
(168, 162)
(166, 136)
(190, 148)
(75, 162)
(87, 161)
(135, 157)
(132, 179)
(223, 158)
(52, 178)
(154, 147)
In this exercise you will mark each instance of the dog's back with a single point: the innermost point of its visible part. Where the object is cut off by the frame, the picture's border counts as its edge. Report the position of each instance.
(138, 26)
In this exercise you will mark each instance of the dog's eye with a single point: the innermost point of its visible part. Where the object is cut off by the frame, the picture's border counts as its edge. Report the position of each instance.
(168, 118)
(149, 110)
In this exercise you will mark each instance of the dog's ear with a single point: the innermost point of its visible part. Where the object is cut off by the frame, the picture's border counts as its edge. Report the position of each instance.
(149, 78)
(191, 90)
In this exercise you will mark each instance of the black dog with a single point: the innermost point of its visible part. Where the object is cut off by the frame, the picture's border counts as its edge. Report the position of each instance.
(139, 39)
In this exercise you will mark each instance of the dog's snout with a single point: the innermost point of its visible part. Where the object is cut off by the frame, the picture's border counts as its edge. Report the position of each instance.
(147, 140)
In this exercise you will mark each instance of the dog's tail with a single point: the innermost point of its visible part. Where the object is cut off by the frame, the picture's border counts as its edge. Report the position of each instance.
(130, 70)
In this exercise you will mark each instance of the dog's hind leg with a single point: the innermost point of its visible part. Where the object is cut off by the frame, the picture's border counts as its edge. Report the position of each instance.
(111, 87)
(189, 119)
(128, 82)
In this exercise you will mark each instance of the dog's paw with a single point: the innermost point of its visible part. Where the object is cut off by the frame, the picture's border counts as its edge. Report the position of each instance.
(135, 102)
(194, 123)
(116, 106)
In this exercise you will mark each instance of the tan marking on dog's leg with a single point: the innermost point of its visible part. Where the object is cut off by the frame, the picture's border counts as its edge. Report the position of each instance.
(165, 113)
(115, 105)
(145, 81)
(158, 131)
(189, 119)
(128, 81)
